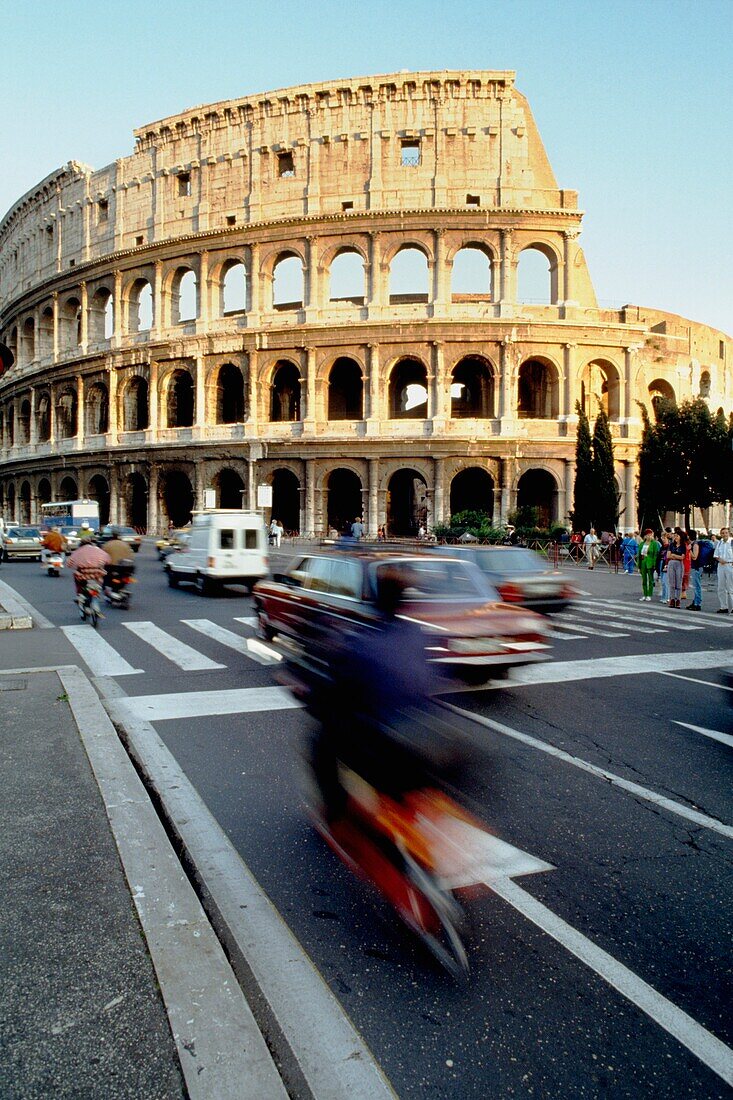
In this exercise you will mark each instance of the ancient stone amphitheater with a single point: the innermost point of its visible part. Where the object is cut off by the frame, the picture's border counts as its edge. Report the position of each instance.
(323, 289)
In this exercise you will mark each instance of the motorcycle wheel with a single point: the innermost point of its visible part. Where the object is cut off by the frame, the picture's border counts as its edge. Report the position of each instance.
(436, 919)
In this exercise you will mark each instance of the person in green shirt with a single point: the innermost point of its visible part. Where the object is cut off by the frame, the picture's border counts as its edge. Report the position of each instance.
(646, 559)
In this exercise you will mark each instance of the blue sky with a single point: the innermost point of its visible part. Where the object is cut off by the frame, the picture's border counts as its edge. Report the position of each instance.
(633, 101)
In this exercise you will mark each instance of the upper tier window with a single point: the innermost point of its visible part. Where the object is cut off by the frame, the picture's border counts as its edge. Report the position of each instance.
(410, 154)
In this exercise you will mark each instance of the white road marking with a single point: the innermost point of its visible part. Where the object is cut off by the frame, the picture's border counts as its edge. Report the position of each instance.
(561, 637)
(601, 773)
(705, 1046)
(100, 657)
(678, 622)
(197, 704)
(605, 615)
(12, 597)
(574, 622)
(556, 672)
(190, 660)
(695, 680)
(248, 647)
(668, 621)
(724, 738)
(248, 620)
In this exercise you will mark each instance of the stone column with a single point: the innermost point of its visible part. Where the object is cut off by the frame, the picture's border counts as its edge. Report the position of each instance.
(203, 285)
(441, 390)
(507, 412)
(441, 282)
(310, 498)
(253, 282)
(153, 402)
(508, 468)
(627, 409)
(495, 278)
(200, 381)
(569, 489)
(199, 483)
(33, 427)
(567, 289)
(112, 426)
(80, 425)
(311, 282)
(570, 389)
(252, 390)
(84, 338)
(372, 516)
(55, 302)
(376, 296)
(153, 498)
(496, 512)
(114, 495)
(375, 403)
(159, 320)
(118, 310)
(629, 520)
(507, 273)
(51, 415)
(310, 381)
(438, 491)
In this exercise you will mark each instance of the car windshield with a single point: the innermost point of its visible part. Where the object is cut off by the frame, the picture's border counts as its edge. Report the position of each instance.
(510, 560)
(440, 579)
(24, 533)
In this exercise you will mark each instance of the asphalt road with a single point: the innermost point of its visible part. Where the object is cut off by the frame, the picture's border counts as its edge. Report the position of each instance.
(607, 974)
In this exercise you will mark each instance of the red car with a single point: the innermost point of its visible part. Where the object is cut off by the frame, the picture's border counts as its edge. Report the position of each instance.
(469, 632)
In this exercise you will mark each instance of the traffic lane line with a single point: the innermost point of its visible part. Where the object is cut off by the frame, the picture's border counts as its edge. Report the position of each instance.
(723, 738)
(695, 680)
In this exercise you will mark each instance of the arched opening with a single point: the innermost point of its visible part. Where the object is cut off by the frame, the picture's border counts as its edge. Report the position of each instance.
(661, 393)
(472, 490)
(472, 389)
(141, 306)
(537, 493)
(101, 316)
(408, 277)
(345, 391)
(471, 275)
(97, 409)
(28, 341)
(45, 334)
(599, 389)
(184, 296)
(539, 392)
(43, 418)
(229, 395)
(24, 499)
(536, 277)
(705, 384)
(407, 503)
(286, 499)
(177, 498)
(99, 490)
(408, 390)
(346, 277)
(180, 404)
(68, 489)
(229, 488)
(344, 499)
(24, 421)
(233, 288)
(66, 414)
(287, 282)
(135, 501)
(70, 323)
(135, 415)
(285, 399)
(43, 493)
(12, 515)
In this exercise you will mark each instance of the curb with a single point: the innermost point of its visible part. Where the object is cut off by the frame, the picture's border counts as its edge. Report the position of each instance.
(17, 621)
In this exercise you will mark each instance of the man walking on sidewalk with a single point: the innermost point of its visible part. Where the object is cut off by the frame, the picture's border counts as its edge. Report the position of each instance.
(700, 555)
(590, 546)
(724, 558)
(646, 559)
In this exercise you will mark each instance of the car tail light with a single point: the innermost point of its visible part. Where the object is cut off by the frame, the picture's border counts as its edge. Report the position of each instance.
(510, 592)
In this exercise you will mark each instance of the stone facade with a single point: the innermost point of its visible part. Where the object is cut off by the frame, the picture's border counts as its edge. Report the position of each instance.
(321, 289)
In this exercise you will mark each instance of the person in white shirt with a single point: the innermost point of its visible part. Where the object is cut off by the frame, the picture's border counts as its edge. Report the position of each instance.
(724, 558)
(276, 532)
(590, 545)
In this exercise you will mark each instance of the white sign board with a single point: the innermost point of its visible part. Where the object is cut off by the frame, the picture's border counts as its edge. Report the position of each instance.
(264, 496)
(209, 498)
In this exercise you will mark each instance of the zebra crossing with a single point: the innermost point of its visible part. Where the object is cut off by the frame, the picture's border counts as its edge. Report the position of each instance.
(609, 618)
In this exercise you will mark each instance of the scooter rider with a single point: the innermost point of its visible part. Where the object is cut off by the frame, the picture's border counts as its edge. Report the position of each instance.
(89, 563)
(55, 541)
(118, 552)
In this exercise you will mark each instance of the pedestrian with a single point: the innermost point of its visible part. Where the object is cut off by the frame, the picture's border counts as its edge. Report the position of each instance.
(687, 565)
(276, 532)
(662, 567)
(590, 546)
(700, 553)
(646, 559)
(630, 548)
(676, 567)
(357, 529)
(381, 534)
(724, 558)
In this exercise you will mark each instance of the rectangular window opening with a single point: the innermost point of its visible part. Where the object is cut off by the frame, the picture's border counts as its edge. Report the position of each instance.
(250, 540)
(139, 240)
(184, 183)
(410, 153)
(721, 349)
(102, 210)
(49, 230)
(347, 205)
(285, 165)
(72, 263)
(473, 200)
(226, 541)
(231, 219)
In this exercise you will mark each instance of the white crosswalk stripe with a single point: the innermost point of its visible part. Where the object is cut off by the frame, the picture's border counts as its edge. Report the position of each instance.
(659, 618)
(197, 704)
(187, 658)
(100, 657)
(574, 624)
(249, 647)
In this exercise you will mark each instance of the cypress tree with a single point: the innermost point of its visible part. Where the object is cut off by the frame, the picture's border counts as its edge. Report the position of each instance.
(651, 488)
(604, 477)
(583, 488)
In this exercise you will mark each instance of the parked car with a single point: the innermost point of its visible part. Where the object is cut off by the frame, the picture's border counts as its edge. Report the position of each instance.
(172, 542)
(127, 534)
(21, 542)
(225, 546)
(469, 632)
(519, 575)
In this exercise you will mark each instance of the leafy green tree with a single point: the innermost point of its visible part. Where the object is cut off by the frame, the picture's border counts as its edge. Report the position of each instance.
(606, 495)
(651, 466)
(584, 485)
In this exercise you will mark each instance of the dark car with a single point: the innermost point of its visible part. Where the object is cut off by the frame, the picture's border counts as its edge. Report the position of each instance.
(127, 534)
(519, 575)
(469, 632)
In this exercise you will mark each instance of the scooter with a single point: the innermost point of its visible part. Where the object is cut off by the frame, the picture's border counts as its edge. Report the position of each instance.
(88, 602)
(53, 562)
(118, 582)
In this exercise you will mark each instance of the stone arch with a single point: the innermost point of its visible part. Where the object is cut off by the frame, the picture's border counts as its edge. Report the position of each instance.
(285, 392)
(183, 295)
(661, 392)
(229, 395)
(345, 390)
(24, 421)
(43, 491)
(24, 501)
(408, 390)
(101, 316)
(45, 333)
(407, 503)
(98, 489)
(96, 407)
(472, 488)
(600, 387)
(229, 487)
(473, 388)
(67, 414)
(537, 270)
(70, 323)
(176, 495)
(347, 277)
(232, 287)
(344, 499)
(537, 488)
(705, 384)
(288, 281)
(68, 489)
(43, 418)
(409, 275)
(135, 405)
(472, 273)
(141, 311)
(135, 500)
(538, 396)
(180, 399)
(286, 498)
(28, 340)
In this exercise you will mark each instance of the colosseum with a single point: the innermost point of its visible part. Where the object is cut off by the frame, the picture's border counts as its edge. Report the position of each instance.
(323, 289)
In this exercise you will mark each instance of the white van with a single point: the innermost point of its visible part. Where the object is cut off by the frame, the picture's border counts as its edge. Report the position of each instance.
(226, 546)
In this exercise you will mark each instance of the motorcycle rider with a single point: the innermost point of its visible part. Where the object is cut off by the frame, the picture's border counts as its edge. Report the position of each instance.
(119, 553)
(54, 541)
(89, 563)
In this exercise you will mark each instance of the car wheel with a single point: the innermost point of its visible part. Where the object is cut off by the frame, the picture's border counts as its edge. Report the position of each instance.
(172, 578)
(264, 630)
(202, 585)
(478, 675)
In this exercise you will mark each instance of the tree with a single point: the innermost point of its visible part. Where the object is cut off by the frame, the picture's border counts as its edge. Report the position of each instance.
(604, 476)
(651, 489)
(583, 488)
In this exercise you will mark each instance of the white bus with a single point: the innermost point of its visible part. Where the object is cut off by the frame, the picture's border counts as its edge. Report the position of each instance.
(70, 513)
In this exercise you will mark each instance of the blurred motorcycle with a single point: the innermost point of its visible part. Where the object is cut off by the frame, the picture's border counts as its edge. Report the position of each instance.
(53, 562)
(118, 583)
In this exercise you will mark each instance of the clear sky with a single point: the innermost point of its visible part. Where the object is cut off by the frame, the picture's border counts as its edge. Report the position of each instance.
(633, 99)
